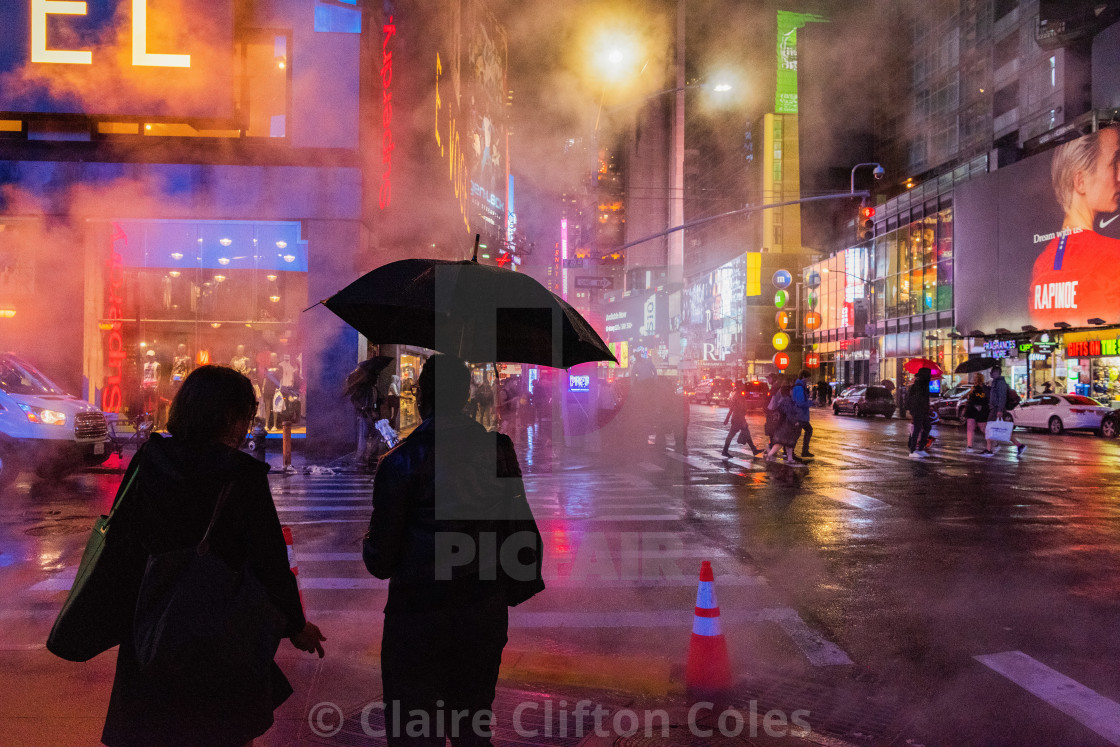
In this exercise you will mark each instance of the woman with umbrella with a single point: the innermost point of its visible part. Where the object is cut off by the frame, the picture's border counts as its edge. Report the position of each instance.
(917, 402)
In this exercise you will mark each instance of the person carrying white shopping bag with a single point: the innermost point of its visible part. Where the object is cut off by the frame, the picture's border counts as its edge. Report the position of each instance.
(1003, 399)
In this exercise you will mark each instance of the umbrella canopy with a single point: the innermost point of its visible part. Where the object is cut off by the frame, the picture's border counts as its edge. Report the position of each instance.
(476, 312)
(972, 365)
(914, 365)
(364, 378)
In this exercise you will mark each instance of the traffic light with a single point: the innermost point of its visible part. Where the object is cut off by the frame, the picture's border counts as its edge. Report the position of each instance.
(864, 228)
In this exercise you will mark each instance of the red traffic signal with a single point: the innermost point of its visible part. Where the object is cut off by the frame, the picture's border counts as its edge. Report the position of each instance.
(864, 226)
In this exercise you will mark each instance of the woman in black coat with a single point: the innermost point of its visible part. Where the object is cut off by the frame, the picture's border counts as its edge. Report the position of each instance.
(171, 503)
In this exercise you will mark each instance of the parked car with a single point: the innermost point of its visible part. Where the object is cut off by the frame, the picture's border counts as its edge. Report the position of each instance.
(952, 405)
(863, 401)
(713, 392)
(42, 427)
(1060, 412)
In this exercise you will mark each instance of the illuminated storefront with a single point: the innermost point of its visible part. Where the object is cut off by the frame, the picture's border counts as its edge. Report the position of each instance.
(177, 294)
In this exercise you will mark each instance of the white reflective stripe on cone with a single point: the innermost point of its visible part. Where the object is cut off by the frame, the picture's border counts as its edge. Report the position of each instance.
(706, 596)
(706, 626)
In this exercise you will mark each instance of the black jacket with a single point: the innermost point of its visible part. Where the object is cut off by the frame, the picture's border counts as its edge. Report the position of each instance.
(917, 398)
(444, 502)
(176, 490)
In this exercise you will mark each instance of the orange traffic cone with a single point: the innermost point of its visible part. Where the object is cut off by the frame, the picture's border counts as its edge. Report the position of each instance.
(289, 542)
(708, 671)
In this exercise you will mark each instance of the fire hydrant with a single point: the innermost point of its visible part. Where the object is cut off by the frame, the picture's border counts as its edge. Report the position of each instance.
(257, 438)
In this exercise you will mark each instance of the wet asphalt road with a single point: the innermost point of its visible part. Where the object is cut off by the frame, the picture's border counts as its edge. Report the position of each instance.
(886, 595)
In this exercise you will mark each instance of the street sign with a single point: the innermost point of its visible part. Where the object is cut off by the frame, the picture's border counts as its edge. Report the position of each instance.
(573, 263)
(602, 283)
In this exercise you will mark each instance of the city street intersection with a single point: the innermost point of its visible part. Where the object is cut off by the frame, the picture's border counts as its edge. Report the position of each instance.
(953, 600)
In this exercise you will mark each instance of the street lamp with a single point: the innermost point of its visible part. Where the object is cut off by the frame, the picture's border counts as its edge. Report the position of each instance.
(879, 173)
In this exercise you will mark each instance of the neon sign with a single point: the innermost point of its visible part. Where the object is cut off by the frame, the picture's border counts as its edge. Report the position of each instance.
(1092, 348)
(112, 395)
(456, 157)
(388, 31)
(40, 53)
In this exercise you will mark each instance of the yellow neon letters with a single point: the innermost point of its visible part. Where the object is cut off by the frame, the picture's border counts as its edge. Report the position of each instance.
(140, 54)
(40, 9)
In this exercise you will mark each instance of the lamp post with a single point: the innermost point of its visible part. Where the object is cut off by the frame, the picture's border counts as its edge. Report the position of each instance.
(879, 173)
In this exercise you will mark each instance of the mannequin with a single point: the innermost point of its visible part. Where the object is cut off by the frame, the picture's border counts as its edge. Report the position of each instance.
(180, 367)
(289, 388)
(269, 386)
(240, 361)
(149, 384)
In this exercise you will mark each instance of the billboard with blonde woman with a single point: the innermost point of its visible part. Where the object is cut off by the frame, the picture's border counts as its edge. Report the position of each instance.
(1038, 242)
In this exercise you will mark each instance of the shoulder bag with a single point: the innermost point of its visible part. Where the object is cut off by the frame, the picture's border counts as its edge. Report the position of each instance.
(196, 613)
(100, 603)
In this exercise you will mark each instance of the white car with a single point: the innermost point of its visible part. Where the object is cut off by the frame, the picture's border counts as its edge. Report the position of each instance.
(1059, 412)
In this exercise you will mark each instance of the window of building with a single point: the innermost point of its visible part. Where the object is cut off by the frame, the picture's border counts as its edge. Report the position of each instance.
(975, 124)
(918, 153)
(1005, 99)
(1006, 50)
(1003, 7)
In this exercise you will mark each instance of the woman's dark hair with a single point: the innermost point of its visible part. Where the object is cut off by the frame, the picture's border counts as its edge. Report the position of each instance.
(211, 399)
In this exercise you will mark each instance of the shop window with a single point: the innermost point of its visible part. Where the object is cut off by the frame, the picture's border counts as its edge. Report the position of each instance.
(917, 245)
(188, 293)
(945, 235)
(903, 306)
(892, 253)
(916, 284)
(929, 289)
(945, 285)
(905, 263)
(929, 239)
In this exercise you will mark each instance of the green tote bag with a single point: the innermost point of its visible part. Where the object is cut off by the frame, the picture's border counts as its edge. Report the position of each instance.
(101, 602)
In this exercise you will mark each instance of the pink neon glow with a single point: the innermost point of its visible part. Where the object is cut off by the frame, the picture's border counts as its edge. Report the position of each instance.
(564, 258)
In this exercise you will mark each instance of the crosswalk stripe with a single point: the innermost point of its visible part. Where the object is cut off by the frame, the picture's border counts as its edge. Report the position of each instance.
(852, 498)
(1089, 708)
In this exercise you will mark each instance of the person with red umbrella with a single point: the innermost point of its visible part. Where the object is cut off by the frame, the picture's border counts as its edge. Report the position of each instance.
(917, 402)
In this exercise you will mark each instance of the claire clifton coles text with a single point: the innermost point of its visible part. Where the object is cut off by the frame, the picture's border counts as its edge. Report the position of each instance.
(548, 718)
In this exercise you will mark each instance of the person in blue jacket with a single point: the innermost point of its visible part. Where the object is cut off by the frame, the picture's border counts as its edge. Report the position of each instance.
(802, 396)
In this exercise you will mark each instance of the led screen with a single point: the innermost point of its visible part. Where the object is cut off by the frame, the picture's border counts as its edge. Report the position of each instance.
(1039, 241)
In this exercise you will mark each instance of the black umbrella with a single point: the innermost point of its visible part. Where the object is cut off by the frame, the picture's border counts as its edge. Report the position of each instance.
(364, 378)
(972, 365)
(476, 312)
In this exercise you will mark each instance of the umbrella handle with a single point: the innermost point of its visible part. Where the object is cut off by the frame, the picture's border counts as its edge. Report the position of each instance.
(477, 238)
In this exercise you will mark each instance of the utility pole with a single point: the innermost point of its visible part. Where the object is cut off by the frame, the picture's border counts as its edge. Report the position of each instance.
(676, 199)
